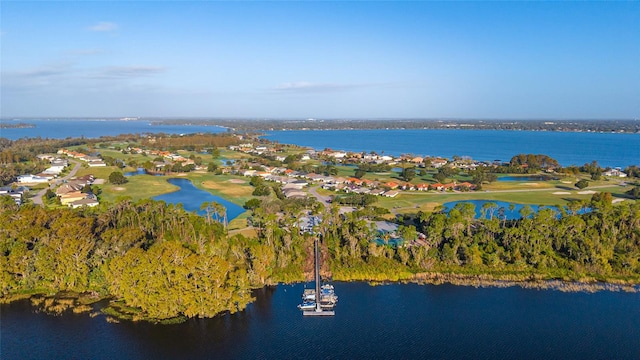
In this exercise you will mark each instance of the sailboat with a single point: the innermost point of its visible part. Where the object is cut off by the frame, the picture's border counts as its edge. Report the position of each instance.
(321, 300)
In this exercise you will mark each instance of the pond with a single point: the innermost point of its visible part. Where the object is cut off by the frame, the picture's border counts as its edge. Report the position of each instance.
(526, 178)
(505, 210)
(192, 198)
(139, 171)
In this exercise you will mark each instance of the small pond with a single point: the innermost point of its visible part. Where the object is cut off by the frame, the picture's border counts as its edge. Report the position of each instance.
(139, 171)
(192, 198)
(526, 178)
(503, 208)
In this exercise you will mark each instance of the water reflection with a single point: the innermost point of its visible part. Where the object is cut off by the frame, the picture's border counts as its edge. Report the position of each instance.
(389, 321)
(503, 209)
(192, 198)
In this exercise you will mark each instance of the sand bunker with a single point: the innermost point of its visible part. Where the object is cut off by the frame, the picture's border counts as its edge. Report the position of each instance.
(586, 192)
(617, 200)
(236, 181)
(561, 193)
(118, 188)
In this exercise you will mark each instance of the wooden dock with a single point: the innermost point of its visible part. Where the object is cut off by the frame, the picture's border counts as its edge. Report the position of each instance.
(318, 313)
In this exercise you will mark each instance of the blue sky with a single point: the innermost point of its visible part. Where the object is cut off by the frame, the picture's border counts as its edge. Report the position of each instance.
(346, 59)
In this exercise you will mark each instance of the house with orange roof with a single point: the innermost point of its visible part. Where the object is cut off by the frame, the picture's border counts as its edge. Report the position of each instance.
(392, 185)
(355, 181)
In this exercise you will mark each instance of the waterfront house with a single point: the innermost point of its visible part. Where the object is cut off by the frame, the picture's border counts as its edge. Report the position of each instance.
(614, 172)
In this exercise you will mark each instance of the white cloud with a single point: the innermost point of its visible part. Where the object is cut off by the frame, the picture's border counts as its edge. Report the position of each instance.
(104, 26)
(130, 71)
(305, 86)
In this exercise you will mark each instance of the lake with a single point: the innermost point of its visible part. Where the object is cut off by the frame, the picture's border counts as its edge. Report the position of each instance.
(524, 178)
(505, 212)
(192, 198)
(567, 148)
(399, 321)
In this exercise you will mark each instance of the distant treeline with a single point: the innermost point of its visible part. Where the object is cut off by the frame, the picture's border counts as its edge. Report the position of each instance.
(248, 125)
(18, 157)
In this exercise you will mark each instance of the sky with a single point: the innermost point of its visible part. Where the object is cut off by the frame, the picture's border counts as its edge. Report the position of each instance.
(320, 59)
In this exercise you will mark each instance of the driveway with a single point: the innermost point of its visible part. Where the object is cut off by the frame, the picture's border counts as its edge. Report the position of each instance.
(38, 198)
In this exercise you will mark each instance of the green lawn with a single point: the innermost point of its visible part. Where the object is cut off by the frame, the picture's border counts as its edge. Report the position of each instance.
(427, 201)
(138, 187)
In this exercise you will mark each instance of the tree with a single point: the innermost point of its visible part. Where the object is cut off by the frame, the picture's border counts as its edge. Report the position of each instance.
(212, 167)
(632, 171)
(359, 173)
(582, 184)
(634, 193)
(408, 174)
(252, 204)
(440, 177)
(261, 190)
(117, 178)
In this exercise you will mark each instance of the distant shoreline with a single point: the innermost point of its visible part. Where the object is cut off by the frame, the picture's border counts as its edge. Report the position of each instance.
(615, 126)
(5, 125)
(623, 126)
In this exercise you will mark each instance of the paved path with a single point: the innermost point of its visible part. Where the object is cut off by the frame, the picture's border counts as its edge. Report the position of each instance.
(38, 198)
(321, 198)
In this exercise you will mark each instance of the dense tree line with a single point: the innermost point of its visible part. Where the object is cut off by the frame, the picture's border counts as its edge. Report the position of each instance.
(155, 257)
(168, 262)
(534, 161)
(191, 142)
(604, 243)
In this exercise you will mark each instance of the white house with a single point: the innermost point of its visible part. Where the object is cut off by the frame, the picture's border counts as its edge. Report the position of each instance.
(28, 178)
(614, 172)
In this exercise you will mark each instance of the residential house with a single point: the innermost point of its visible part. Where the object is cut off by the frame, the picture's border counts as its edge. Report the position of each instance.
(28, 179)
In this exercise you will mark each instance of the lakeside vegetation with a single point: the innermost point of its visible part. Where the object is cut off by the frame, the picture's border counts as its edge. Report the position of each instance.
(157, 262)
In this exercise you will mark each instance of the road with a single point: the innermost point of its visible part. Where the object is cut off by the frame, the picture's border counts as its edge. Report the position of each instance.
(323, 199)
(38, 198)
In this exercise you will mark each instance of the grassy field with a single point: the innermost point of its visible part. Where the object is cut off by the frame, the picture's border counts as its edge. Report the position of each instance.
(407, 202)
(138, 187)
(237, 189)
(233, 188)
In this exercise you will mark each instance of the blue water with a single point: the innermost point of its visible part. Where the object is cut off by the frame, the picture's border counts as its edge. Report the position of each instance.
(400, 321)
(61, 129)
(568, 148)
(139, 171)
(522, 178)
(503, 211)
(192, 198)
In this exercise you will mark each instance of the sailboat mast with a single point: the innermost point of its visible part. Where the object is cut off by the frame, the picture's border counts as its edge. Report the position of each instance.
(317, 273)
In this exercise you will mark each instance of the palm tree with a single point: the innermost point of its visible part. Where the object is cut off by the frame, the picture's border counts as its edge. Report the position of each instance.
(220, 209)
(206, 207)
